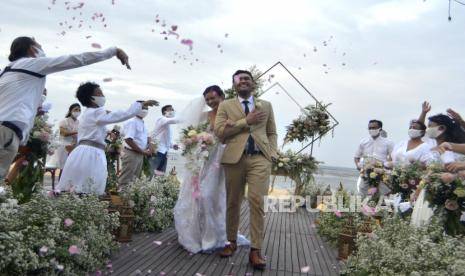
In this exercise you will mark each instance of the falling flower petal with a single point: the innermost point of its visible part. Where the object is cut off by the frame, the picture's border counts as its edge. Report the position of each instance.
(305, 269)
(174, 28)
(157, 242)
(60, 267)
(338, 213)
(226, 35)
(187, 42)
(107, 79)
(96, 45)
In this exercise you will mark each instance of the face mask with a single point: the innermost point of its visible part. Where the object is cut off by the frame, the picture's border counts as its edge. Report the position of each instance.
(433, 132)
(99, 100)
(143, 113)
(170, 114)
(415, 133)
(75, 114)
(43, 98)
(39, 52)
(374, 132)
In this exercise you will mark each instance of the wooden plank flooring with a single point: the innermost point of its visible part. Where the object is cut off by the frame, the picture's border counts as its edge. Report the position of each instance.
(290, 243)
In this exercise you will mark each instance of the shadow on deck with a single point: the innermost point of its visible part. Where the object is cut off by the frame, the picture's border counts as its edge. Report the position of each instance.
(291, 242)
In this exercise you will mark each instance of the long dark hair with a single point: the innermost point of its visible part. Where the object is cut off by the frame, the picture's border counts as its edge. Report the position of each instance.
(454, 132)
(19, 47)
(71, 107)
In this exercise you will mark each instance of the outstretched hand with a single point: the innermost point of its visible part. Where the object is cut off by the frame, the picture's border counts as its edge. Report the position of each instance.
(454, 114)
(123, 57)
(425, 107)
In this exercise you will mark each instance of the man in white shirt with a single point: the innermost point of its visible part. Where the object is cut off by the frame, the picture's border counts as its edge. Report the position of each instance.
(373, 147)
(22, 83)
(163, 135)
(135, 147)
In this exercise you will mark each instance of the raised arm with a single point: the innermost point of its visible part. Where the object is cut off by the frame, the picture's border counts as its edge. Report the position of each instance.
(49, 65)
(456, 117)
(105, 118)
(425, 108)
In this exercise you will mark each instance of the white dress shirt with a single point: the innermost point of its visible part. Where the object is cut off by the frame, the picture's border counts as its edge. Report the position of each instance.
(20, 93)
(93, 121)
(162, 133)
(251, 103)
(379, 148)
(135, 129)
(400, 155)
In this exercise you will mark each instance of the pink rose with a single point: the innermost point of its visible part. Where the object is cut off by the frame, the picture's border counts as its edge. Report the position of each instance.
(188, 141)
(338, 213)
(447, 177)
(73, 249)
(68, 222)
(451, 204)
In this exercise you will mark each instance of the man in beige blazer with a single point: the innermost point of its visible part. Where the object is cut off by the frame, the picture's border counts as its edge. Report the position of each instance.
(247, 127)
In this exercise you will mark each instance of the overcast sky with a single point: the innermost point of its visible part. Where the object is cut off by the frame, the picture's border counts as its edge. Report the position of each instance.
(382, 58)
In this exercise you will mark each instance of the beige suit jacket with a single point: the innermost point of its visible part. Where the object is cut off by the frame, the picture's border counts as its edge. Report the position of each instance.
(235, 137)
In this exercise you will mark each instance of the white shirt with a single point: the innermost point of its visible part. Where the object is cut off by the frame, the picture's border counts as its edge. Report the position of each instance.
(93, 121)
(379, 148)
(135, 129)
(400, 154)
(162, 133)
(70, 125)
(250, 104)
(20, 93)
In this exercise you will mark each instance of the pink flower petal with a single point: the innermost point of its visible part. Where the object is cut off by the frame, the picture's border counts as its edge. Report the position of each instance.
(188, 42)
(157, 242)
(73, 249)
(96, 45)
(338, 213)
(107, 79)
(68, 222)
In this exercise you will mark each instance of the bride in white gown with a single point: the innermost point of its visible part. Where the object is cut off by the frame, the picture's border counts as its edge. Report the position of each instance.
(200, 221)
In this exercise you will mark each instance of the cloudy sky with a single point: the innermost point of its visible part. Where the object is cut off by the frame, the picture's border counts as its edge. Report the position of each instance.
(373, 59)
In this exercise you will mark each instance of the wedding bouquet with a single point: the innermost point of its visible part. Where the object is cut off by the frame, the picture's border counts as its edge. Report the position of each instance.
(40, 138)
(373, 173)
(404, 179)
(446, 194)
(197, 143)
(314, 122)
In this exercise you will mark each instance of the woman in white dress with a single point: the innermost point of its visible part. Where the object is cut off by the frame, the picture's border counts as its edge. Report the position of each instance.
(85, 170)
(442, 128)
(414, 149)
(68, 136)
(201, 220)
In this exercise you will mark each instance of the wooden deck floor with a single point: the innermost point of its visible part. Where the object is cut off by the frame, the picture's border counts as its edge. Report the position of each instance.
(291, 242)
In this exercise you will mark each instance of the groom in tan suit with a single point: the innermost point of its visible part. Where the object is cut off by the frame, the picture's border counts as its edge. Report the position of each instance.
(246, 125)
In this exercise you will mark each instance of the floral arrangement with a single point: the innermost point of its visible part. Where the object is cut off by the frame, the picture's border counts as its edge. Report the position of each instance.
(299, 167)
(152, 201)
(31, 159)
(405, 179)
(112, 153)
(197, 143)
(373, 173)
(314, 122)
(401, 249)
(67, 235)
(446, 194)
(330, 224)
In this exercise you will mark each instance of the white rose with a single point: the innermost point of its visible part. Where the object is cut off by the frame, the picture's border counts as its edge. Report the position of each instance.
(192, 133)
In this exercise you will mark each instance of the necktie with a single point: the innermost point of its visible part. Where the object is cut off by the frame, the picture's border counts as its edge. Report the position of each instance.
(250, 148)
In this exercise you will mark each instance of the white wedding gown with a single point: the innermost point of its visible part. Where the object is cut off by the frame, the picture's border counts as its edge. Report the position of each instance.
(200, 221)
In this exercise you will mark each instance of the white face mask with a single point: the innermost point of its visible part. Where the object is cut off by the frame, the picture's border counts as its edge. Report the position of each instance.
(170, 114)
(99, 100)
(434, 132)
(374, 132)
(415, 133)
(75, 114)
(39, 52)
(143, 113)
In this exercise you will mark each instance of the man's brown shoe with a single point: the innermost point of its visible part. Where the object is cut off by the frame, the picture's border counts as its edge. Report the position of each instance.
(228, 250)
(256, 259)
